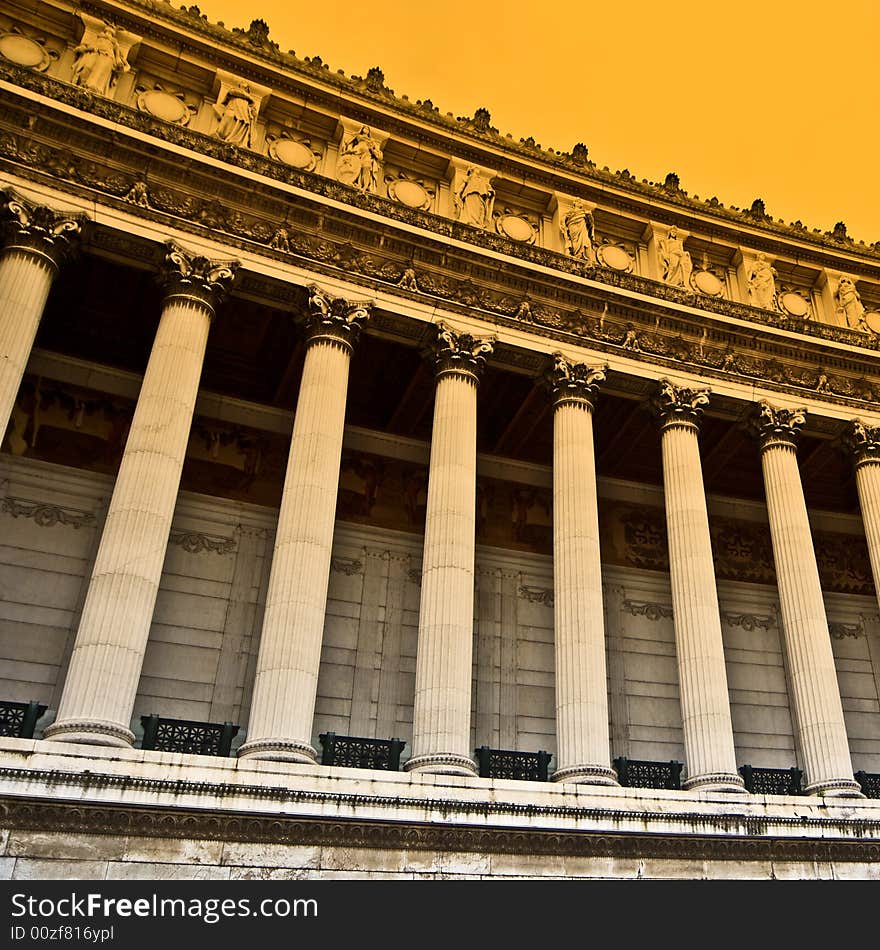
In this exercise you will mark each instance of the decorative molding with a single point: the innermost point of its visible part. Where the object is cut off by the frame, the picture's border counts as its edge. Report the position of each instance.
(194, 277)
(651, 611)
(863, 441)
(346, 565)
(536, 595)
(45, 515)
(195, 543)
(840, 631)
(777, 427)
(748, 621)
(36, 229)
(679, 405)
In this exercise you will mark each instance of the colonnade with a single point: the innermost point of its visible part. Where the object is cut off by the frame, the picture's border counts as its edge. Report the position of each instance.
(101, 683)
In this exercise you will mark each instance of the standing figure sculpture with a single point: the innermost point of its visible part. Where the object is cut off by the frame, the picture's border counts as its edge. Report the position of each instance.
(762, 283)
(97, 63)
(237, 114)
(474, 199)
(360, 161)
(578, 231)
(677, 263)
(849, 305)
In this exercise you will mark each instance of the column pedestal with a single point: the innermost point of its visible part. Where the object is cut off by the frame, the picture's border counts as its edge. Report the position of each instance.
(105, 666)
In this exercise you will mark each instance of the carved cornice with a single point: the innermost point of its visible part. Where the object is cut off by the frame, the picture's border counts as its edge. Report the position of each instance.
(334, 319)
(460, 354)
(196, 278)
(679, 405)
(37, 230)
(776, 427)
(574, 383)
(750, 843)
(864, 442)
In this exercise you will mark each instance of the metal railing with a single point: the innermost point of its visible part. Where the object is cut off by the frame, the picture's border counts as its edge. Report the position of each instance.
(187, 735)
(522, 766)
(642, 773)
(761, 781)
(18, 720)
(358, 752)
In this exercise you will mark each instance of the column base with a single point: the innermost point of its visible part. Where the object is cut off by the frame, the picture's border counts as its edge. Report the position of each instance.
(442, 763)
(835, 788)
(279, 750)
(585, 775)
(728, 782)
(90, 732)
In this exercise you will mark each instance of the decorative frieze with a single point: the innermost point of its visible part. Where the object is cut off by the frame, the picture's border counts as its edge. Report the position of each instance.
(648, 610)
(748, 622)
(193, 542)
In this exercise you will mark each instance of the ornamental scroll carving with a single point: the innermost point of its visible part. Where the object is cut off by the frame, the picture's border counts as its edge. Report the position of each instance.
(775, 426)
(194, 542)
(461, 353)
(864, 442)
(45, 516)
(334, 319)
(52, 233)
(679, 404)
(191, 275)
(574, 382)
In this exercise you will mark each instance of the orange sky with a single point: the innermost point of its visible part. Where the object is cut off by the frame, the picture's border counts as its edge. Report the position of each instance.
(777, 99)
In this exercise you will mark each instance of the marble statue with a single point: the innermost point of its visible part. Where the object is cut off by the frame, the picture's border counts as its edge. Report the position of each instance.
(578, 232)
(236, 114)
(474, 199)
(98, 62)
(849, 305)
(360, 161)
(762, 283)
(677, 263)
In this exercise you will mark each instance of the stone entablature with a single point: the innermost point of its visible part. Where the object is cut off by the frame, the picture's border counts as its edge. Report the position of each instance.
(247, 108)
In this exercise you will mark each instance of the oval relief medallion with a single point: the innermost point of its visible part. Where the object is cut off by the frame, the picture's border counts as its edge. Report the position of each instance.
(516, 228)
(794, 304)
(22, 51)
(872, 318)
(409, 193)
(707, 283)
(614, 257)
(293, 153)
(164, 106)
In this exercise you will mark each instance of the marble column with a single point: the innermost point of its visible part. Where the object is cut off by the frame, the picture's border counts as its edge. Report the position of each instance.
(815, 693)
(864, 441)
(283, 705)
(699, 649)
(105, 667)
(36, 242)
(582, 741)
(442, 711)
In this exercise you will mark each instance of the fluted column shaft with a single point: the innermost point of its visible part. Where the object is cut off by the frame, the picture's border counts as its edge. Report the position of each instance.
(702, 675)
(864, 441)
(37, 241)
(582, 740)
(285, 688)
(442, 710)
(105, 666)
(815, 691)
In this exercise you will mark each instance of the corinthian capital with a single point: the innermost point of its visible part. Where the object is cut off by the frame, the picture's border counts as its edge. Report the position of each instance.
(198, 278)
(460, 353)
(864, 442)
(679, 405)
(774, 426)
(575, 383)
(38, 230)
(335, 319)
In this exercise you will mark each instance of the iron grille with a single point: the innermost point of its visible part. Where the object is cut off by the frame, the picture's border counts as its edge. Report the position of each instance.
(19, 720)
(870, 782)
(357, 752)
(185, 735)
(523, 766)
(642, 773)
(772, 781)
